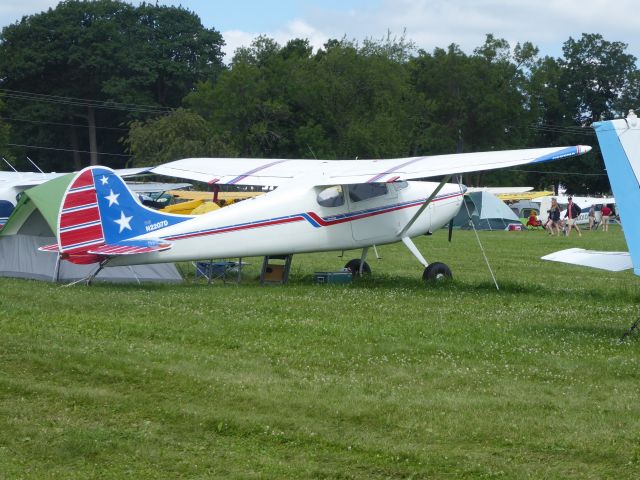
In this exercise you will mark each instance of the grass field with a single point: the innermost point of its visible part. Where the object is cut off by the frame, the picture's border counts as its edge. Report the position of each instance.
(385, 378)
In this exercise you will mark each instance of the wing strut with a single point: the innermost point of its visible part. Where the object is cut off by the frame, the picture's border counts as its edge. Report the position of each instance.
(424, 205)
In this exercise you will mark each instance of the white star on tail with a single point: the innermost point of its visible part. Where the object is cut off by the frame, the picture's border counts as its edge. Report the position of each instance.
(112, 197)
(123, 222)
(104, 179)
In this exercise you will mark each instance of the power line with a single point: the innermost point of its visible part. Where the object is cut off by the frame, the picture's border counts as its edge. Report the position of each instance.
(66, 150)
(561, 173)
(13, 119)
(561, 129)
(83, 102)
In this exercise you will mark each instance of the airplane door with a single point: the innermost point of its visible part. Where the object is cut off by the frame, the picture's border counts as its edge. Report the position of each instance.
(372, 204)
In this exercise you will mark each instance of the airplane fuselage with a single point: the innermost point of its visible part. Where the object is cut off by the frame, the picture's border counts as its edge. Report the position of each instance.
(301, 219)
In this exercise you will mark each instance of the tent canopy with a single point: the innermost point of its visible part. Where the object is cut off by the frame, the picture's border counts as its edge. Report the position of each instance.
(485, 211)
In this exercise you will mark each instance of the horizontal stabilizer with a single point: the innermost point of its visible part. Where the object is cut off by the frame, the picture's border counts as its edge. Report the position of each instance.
(130, 247)
(612, 261)
(50, 248)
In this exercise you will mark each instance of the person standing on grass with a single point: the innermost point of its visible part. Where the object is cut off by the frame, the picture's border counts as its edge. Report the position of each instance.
(554, 217)
(592, 216)
(606, 213)
(571, 215)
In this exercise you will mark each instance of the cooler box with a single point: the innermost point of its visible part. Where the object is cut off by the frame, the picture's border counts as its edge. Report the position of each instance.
(332, 277)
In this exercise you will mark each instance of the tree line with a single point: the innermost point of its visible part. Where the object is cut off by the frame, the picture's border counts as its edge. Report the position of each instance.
(121, 85)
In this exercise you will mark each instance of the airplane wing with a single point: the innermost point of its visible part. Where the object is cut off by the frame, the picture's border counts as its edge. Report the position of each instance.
(24, 180)
(275, 172)
(612, 261)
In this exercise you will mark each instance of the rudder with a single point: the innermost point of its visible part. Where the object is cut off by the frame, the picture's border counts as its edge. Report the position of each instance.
(620, 144)
(97, 210)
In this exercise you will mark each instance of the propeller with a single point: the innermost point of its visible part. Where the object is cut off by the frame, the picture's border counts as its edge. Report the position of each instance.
(450, 229)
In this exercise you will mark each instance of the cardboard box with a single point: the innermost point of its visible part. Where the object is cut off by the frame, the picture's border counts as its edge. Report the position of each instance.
(274, 273)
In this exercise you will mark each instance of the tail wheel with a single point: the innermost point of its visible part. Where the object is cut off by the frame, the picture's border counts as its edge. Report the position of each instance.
(437, 272)
(354, 267)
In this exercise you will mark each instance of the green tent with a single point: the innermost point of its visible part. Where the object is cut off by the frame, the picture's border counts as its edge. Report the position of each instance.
(32, 225)
(484, 211)
(38, 207)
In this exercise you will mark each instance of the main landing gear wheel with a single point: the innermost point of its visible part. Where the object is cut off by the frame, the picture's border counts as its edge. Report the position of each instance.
(354, 267)
(437, 272)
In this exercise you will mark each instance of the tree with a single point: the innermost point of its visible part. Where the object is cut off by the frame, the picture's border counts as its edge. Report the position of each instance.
(477, 102)
(180, 134)
(597, 74)
(110, 62)
(4, 129)
(344, 101)
(595, 79)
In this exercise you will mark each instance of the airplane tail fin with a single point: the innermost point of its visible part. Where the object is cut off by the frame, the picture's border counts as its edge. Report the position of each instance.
(100, 217)
(620, 144)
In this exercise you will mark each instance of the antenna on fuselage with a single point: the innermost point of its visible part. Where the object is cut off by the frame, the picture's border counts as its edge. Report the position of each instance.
(10, 166)
(34, 164)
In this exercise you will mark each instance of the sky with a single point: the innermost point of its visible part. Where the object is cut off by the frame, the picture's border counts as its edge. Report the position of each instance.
(428, 23)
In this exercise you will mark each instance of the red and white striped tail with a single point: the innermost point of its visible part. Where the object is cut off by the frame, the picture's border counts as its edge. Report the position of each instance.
(79, 225)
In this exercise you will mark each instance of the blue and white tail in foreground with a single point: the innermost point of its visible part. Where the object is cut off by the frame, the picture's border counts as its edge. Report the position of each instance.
(620, 145)
(101, 218)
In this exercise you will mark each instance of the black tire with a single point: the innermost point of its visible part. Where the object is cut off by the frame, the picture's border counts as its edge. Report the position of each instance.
(354, 267)
(437, 272)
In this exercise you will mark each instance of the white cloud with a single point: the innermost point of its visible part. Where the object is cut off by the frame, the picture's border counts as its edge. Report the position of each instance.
(438, 23)
(294, 29)
(235, 39)
(429, 23)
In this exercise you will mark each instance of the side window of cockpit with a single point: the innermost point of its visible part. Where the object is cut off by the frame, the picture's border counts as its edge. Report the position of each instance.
(331, 196)
(363, 191)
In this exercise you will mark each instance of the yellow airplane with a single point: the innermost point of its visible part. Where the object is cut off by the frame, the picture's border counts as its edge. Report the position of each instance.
(515, 197)
(228, 197)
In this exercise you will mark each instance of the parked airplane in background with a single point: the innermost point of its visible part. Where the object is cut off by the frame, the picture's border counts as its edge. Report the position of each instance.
(620, 144)
(583, 202)
(320, 205)
(12, 183)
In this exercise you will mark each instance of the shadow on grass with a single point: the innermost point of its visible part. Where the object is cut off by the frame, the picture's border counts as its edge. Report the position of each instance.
(383, 281)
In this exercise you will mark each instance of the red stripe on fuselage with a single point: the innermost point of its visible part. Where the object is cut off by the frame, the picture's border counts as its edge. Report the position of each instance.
(313, 215)
(237, 228)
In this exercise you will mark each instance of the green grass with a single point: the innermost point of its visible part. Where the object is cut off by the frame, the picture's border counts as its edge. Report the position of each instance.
(384, 378)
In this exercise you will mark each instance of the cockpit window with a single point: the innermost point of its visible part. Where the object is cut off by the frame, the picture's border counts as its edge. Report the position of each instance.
(331, 196)
(363, 191)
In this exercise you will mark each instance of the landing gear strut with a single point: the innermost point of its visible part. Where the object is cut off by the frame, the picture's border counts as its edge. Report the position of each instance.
(434, 272)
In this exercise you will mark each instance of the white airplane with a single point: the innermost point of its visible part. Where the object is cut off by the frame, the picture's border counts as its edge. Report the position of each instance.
(620, 144)
(12, 183)
(319, 205)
